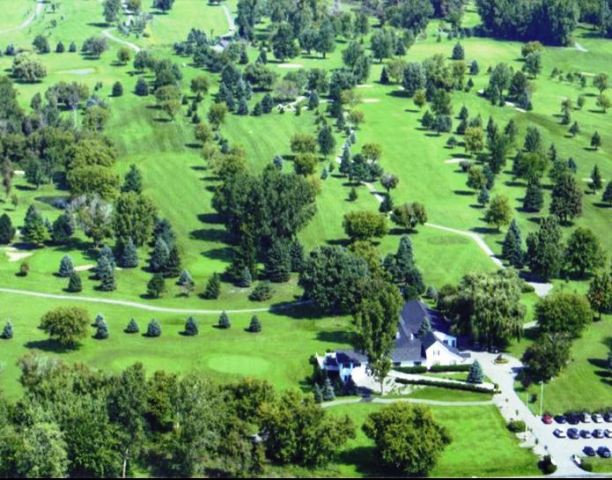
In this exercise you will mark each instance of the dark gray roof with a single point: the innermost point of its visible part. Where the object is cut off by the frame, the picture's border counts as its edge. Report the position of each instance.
(415, 311)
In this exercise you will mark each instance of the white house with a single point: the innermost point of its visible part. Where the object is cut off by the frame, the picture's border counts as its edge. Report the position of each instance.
(415, 344)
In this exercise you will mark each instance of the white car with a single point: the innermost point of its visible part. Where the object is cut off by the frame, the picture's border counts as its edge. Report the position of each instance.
(560, 433)
(597, 418)
(586, 418)
(608, 433)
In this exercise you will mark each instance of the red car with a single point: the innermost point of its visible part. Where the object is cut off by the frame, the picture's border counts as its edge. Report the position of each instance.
(547, 419)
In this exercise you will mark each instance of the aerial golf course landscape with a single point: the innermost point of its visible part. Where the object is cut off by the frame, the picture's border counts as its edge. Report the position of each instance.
(207, 205)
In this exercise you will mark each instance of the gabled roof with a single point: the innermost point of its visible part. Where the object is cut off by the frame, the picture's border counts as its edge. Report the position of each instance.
(414, 313)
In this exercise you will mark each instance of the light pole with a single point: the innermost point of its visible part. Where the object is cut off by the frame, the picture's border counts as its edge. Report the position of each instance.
(541, 396)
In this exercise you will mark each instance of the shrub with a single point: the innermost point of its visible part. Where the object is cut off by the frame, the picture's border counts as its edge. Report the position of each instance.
(262, 292)
(517, 426)
(450, 368)
(548, 467)
(419, 369)
(153, 329)
(132, 327)
(441, 383)
(24, 269)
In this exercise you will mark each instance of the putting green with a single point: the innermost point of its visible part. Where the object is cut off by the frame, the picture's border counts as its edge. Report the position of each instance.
(239, 364)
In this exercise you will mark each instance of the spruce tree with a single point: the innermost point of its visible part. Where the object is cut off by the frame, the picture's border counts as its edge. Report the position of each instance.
(213, 288)
(172, 268)
(66, 268)
(63, 228)
(345, 160)
(607, 195)
(34, 229)
(74, 283)
(224, 321)
(7, 231)
(101, 330)
(105, 272)
(596, 141)
(296, 252)
(129, 255)
(534, 198)
(133, 180)
(596, 180)
(132, 327)
(184, 279)
(7, 331)
(245, 279)
(387, 204)
(384, 77)
(142, 88)
(156, 286)
(483, 196)
(255, 325)
(512, 247)
(99, 320)
(475, 374)
(191, 327)
(160, 255)
(278, 262)
(313, 101)
(328, 391)
(352, 194)
(154, 329)
(117, 89)
(318, 395)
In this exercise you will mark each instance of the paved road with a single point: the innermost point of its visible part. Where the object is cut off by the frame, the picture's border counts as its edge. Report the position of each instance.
(510, 404)
(112, 38)
(143, 306)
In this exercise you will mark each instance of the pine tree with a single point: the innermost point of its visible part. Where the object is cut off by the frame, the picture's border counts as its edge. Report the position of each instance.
(596, 141)
(133, 180)
(154, 329)
(74, 283)
(255, 325)
(596, 180)
(607, 195)
(66, 268)
(191, 327)
(387, 204)
(534, 198)
(318, 395)
(184, 279)
(142, 89)
(483, 196)
(34, 227)
(352, 194)
(224, 321)
(132, 327)
(156, 286)
(172, 268)
(99, 320)
(105, 271)
(328, 391)
(313, 101)
(7, 231)
(345, 160)
(475, 375)
(129, 255)
(117, 89)
(159, 257)
(7, 332)
(213, 288)
(296, 252)
(512, 247)
(384, 77)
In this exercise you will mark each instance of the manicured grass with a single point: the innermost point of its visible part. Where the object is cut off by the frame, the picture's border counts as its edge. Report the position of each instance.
(600, 465)
(481, 445)
(449, 395)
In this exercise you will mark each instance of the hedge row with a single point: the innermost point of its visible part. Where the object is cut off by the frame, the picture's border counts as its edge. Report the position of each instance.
(434, 369)
(441, 383)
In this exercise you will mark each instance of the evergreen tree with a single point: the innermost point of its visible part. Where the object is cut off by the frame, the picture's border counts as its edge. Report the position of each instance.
(296, 252)
(512, 248)
(213, 288)
(534, 198)
(129, 255)
(458, 52)
(246, 279)
(574, 129)
(384, 77)
(133, 180)
(387, 204)
(545, 250)
(318, 395)
(160, 255)
(7, 331)
(66, 268)
(191, 327)
(313, 101)
(278, 262)
(345, 160)
(34, 227)
(224, 321)
(607, 195)
(142, 88)
(255, 325)
(184, 279)
(566, 197)
(278, 162)
(105, 272)
(326, 140)
(74, 283)
(132, 327)
(117, 89)
(154, 329)
(474, 68)
(328, 391)
(101, 329)
(352, 194)
(596, 141)
(63, 228)
(99, 320)
(156, 286)
(475, 375)
(262, 292)
(483, 196)
(7, 231)
(172, 268)
(596, 180)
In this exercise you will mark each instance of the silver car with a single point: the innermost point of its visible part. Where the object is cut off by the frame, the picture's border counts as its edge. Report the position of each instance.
(560, 433)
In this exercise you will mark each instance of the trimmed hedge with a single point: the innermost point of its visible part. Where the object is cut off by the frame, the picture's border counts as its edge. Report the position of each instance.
(441, 383)
(450, 368)
(419, 369)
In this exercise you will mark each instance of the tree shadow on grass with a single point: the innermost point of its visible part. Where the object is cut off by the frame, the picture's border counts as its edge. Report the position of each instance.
(336, 336)
(465, 193)
(343, 242)
(210, 235)
(484, 230)
(213, 218)
(50, 345)
(302, 311)
(225, 254)
(364, 459)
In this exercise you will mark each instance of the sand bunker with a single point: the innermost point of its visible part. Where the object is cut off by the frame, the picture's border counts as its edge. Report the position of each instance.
(290, 65)
(79, 71)
(15, 255)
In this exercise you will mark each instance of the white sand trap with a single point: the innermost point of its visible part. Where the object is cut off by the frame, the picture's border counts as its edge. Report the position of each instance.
(21, 173)
(79, 71)
(15, 255)
(290, 65)
(371, 100)
(365, 85)
(83, 268)
(455, 160)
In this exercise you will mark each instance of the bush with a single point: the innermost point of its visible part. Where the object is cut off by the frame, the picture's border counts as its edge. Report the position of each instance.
(262, 292)
(517, 426)
(419, 369)
(450, 368)
(441, 383)
(547, 466)
(24, 269)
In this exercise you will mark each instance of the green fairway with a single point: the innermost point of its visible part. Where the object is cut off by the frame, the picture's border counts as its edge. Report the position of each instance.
(471, 428)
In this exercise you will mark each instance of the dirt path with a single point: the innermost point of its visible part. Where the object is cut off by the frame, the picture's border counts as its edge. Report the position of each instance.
(142, 306)
(40, 6)
(112, 38)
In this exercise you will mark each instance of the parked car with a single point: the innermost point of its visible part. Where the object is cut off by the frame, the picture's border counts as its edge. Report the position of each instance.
(608, 433)
(573, 433)
(585, 434)
(608, 416)
(589, 451)
(559, 433)
(547, 419)
(597, 418)
(598, 433)
(586, 418)
(561, 419)
(603, 452)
